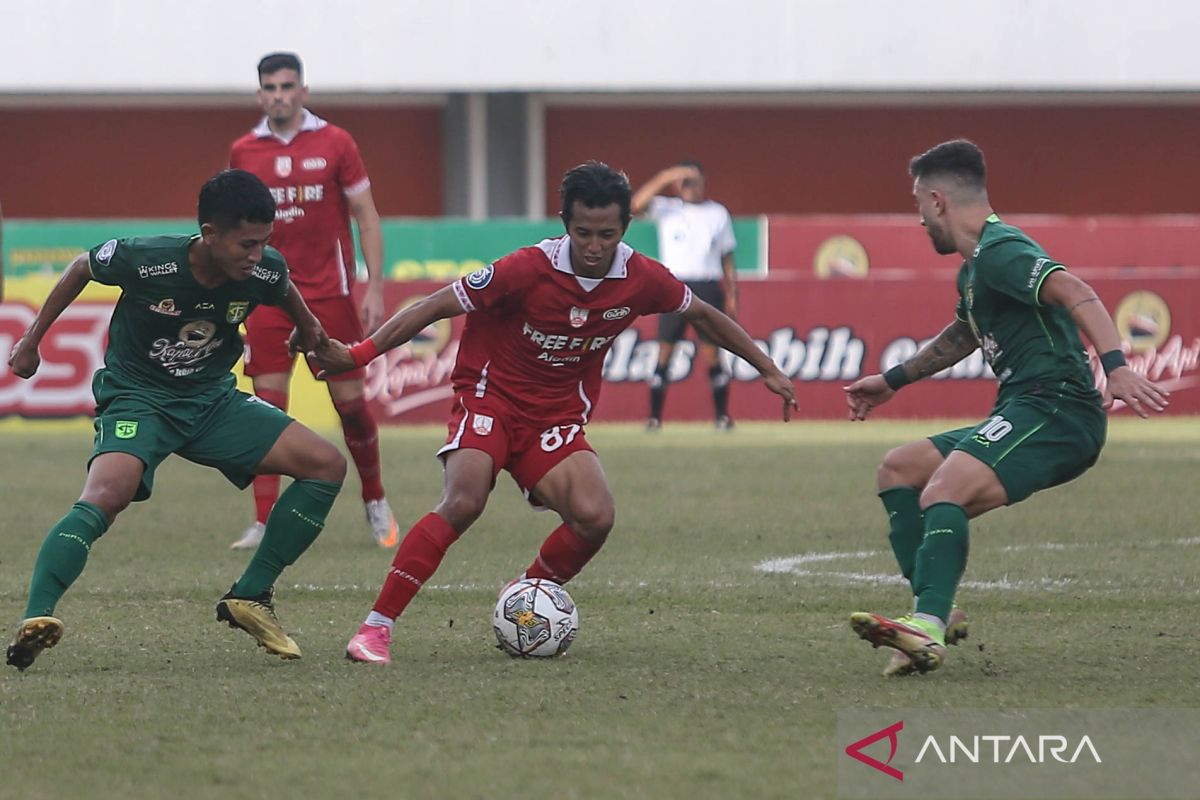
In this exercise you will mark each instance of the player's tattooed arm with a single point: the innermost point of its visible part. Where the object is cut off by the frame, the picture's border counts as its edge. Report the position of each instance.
(953, 344)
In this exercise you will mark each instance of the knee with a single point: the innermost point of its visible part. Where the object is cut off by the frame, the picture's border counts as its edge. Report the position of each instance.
(894, 471)
(330, 466)
(593, 520)
(111, 500)
(461, 509)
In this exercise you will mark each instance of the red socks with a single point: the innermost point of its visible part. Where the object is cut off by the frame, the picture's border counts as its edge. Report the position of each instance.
(563, 555)
(418, 557)
(266, 487)
(362, 439)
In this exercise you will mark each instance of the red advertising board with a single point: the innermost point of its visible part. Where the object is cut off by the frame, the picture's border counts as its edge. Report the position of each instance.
(823, 334)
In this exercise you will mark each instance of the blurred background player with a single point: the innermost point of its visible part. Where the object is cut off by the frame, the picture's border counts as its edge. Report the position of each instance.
(527, 380)
(317, 177)
(695, 242)
(166, 387)
(1048, 423)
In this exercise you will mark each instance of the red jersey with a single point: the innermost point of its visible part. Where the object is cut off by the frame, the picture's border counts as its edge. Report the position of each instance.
(310, 177)
(537, 333)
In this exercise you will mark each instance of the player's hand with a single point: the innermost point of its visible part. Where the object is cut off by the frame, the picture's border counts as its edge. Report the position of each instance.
(781, 385)
(866, 393)
(306, 340)
(1135, 391)
(332, 358)
(24, 359)
(370, 313)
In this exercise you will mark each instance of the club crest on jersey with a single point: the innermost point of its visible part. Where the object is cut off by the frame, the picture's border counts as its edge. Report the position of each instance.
(165, 306)
(482, 424)
(578, 316)
(283, 166)
(481, 277)
(237, 311)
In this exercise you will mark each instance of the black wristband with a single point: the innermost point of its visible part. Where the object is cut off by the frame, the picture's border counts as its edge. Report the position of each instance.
(1111, 360)
(896, 377)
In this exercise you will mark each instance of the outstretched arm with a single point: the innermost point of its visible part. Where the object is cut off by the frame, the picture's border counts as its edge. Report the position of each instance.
(725, 333)
(24, 358)
(1061, 288)
(952, 345)
(401, 327)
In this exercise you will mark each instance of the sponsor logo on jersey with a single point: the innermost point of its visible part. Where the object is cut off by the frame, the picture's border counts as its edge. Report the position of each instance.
(154, 270)
(308, 193)
(313, 163)
(1038, 266)
(616, 313)
(283, 166)
(237, 311)
(266, 275)
(166, 306)
(482, 424)
(561, 341)
(481, 277)
(191, 348)
(204, 307)
(105, 253)
(125, 429)
(578, 316)
(197, 334)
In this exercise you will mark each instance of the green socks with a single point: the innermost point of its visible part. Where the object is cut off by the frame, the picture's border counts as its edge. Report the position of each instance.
(941, 559)
(63, 556)
(902, 503)
(298, 516)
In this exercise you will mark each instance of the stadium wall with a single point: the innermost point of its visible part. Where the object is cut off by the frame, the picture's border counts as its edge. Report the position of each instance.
(94, 162)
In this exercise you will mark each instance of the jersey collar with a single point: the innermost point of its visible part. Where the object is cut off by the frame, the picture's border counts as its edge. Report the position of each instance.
(308, 122)
(559, 252)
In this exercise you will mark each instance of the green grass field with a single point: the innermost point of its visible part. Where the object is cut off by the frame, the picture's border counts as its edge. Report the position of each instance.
(714, 650)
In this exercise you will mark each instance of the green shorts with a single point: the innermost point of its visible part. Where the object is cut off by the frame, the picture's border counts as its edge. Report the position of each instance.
(220, 427)
(1033, 442)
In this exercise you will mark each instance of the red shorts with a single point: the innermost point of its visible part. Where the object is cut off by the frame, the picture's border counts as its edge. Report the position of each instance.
(268, 329)
(526, 451)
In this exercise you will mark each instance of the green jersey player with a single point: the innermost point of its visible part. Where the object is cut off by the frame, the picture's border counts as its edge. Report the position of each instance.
(166, 388)
(1048, 424)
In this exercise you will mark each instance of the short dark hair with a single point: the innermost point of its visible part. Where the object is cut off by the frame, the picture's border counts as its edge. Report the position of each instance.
(273, 62)
(958, 158)
(596, 185)
(233, 196)
(691, 162)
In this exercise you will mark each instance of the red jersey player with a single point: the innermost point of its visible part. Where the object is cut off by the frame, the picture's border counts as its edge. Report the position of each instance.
(317, 177)
(526, 382)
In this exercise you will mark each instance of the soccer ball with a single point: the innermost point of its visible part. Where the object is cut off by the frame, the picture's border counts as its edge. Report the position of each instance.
(535, 618)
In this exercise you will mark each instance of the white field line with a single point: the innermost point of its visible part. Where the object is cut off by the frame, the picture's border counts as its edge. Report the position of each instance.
(804, 566)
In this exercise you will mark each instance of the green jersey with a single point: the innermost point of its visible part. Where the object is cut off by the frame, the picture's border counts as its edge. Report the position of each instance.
(167, 331)
(1026, 343)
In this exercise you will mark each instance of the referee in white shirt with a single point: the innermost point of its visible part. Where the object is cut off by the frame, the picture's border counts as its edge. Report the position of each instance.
(695, 242)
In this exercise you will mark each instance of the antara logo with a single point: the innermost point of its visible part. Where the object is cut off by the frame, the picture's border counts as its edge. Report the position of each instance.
(891, 733)
(985, 749)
